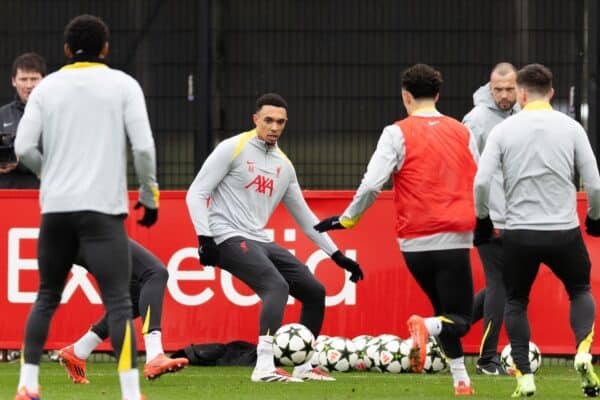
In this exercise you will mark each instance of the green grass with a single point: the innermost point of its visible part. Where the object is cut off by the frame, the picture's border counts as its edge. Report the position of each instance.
(216, 383)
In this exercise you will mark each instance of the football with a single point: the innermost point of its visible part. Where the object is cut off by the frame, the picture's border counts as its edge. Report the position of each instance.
(363, 362)
(293, 344)
(386, 337)
(338, 355)
(393, 356)
(372, 353)
(535, 357)
(436, 359)
(321, 338)
(318, 347)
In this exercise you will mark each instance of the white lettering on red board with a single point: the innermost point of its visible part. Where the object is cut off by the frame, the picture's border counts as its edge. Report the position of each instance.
(16, 264)
(79, 278)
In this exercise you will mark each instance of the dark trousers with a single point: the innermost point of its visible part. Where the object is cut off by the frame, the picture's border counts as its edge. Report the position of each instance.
(489, 301)
(445, 277)
(146, 288)
(102, 241)
(565, 254)
(273, 273)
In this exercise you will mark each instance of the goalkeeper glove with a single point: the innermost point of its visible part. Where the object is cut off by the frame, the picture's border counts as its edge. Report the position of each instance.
(592, 226)
(349, 265)
(208, 251)
(329, 224)
(150, 215)
(484, 229)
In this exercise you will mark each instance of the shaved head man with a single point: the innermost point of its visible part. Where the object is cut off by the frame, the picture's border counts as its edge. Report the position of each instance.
(503, 85)
(494, 102)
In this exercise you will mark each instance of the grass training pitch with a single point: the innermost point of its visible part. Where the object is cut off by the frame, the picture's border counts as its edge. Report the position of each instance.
(216, 383)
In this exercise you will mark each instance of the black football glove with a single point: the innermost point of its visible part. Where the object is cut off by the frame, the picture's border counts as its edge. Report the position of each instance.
(592, 226)
(349, 265)
(150, 215)
(484, 230)
(208, 251)
(329, 224)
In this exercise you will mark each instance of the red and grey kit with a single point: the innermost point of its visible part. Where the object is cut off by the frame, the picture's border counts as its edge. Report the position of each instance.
(432, 159)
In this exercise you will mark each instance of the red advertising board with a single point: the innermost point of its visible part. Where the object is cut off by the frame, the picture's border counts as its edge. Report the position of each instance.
(207, 305)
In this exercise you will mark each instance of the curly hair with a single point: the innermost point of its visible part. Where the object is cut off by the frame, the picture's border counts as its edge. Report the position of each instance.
(271, 99)
(86, 35)
(422, 81)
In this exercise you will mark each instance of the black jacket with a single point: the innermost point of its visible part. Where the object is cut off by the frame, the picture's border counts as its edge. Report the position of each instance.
(21, 177)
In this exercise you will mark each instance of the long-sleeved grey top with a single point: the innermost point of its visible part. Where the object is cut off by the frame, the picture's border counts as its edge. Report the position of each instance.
(538, 151)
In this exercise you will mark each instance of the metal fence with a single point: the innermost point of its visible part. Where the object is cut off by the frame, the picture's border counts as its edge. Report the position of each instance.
(338, 62)
(155, 41)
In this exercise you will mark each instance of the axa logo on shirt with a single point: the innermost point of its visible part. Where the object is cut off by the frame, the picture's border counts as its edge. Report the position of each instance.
(80, 278)
(263, 184)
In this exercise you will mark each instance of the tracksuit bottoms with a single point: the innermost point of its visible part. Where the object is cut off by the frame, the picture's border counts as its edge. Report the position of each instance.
(274, 273)
(102, 241)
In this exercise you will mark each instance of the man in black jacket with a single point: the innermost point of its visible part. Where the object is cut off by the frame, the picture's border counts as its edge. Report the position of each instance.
(27, 71)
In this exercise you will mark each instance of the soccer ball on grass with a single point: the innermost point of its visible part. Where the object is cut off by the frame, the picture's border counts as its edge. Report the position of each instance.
(435, 361)
(535, 358)
(338, 355)
(363, 362)
(293, 344)
(393, 356)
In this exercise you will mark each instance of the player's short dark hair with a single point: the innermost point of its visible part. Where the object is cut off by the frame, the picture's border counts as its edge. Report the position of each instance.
(271, 99)
(535, 78)
(30, 62)
(86, 35)
(422, 81)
